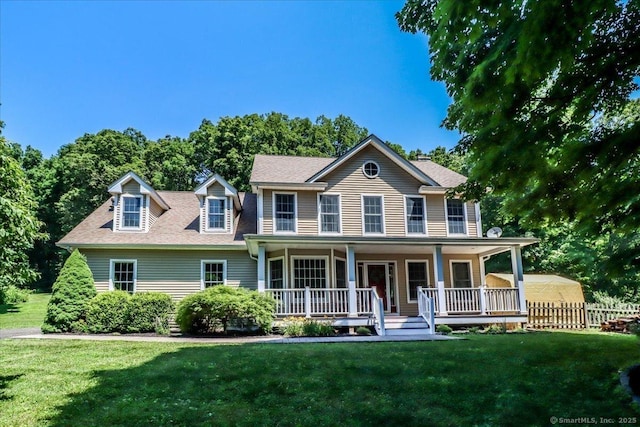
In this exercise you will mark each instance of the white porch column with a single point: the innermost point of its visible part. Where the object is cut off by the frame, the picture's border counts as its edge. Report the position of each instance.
(483, 286)
(351, 272)
(261, 268)
(438, 266)
(518, 276)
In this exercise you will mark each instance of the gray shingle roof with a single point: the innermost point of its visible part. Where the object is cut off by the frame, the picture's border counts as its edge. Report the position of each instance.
(177, 226)
(443, 176)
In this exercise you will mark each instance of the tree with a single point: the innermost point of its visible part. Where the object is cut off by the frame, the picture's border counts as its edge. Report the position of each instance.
(541, 92)
(19, 226)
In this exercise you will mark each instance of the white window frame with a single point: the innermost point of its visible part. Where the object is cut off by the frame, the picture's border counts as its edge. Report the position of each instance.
(330, 233)
(466, 223)
(225, 211)
(213, 261)
(424, 216)
(461, 261)
(406, 271)
(335, 272)
(112, 271)
(327, 275)
(284, 271)
(122, 204)
(295, 212)
(366, 174)
(384, 228)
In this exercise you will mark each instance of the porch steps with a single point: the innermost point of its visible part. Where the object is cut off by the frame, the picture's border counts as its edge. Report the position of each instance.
(402, 325)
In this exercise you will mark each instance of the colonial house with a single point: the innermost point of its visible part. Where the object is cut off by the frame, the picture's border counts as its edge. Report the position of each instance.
(366, 238)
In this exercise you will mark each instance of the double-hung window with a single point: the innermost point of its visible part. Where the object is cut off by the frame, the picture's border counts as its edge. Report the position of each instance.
(216, 215)
(214, 273)
(284, 212)
(311, 272)
(461, 274)
(373, 218)
(341, 273)
(131, 211)
(329, 213)
(123, 275)
(276, 273)
(455, 217)
(417, 275)
(414, 207)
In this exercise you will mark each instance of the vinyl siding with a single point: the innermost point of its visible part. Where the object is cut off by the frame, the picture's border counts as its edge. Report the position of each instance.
(216, 190)
(471, 220)
(436, 220)
(267, 212)
(154, 212)
(174, 272)
(132, 188)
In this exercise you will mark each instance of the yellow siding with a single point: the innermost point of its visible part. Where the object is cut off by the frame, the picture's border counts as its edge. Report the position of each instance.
(471, 220)
(307, 212)
(436, 220)
(154, 212)
(267, 222)
(475, 268)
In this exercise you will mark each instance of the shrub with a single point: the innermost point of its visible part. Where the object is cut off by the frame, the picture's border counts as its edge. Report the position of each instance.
(301, 327)
(149, 312)
(72, 291)
(219, 307)
(363, 331)
(474, 330)
(109, 312)
(444, 329)
(293, 326)
(13, 295)
(496, 329)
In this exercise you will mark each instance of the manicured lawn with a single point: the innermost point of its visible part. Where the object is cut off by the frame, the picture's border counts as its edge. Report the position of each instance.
(486, 380)
(26, 315)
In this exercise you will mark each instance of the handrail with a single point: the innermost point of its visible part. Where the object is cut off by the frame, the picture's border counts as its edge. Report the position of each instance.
(426, 308)
(378, 312)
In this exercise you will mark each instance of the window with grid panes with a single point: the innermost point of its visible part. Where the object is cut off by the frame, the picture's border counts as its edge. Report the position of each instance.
(372, 211)
(329, 213)
(216, 214)
(285, 212)
(213, 274)
(455, 216)
(131, 209)
(124, 276)
(415, 215)
(311, 272)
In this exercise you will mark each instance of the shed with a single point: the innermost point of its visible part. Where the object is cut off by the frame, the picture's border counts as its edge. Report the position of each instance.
(540, 287)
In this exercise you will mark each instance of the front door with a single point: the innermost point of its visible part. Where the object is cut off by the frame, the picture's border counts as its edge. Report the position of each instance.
(377, 278)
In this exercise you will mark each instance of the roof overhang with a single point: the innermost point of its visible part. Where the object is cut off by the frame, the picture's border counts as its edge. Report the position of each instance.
(240, 246)
(429, 189)
(305, 186)
(116, 188)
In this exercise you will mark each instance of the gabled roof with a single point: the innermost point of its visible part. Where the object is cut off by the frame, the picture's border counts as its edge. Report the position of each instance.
(229, 190)
(116, 188)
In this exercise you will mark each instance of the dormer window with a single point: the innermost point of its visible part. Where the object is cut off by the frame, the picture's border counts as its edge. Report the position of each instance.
(131, 211)
(216, 214)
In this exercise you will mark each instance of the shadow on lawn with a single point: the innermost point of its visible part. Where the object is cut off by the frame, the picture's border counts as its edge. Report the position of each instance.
(241, 385)
(4, 384)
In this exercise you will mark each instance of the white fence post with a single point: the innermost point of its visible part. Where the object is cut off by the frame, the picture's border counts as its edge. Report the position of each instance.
(307, 301)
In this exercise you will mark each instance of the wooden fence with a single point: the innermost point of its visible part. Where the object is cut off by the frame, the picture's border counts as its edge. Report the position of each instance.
(575, 315)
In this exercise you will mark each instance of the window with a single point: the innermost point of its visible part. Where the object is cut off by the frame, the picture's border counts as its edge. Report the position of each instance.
(461, 274)
(341, 273)
(417, 275)
(329, 213)
(372, 214)
(415, 215)
(131, 211)
(276, 273)
(455, 217)
(123, 275)
(284, 212)
(213, 273)
(311, 272)
(216, 214)
(370, 169)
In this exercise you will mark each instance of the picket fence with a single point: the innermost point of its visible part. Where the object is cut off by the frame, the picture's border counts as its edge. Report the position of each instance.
(575, 315)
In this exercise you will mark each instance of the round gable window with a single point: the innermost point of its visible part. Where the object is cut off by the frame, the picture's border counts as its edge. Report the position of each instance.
(370, 169)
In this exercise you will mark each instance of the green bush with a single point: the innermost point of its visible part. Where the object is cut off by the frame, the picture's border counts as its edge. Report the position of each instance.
(301, 327)
(496, 329)
(444, 329)
(109, 312)
(218, 307)
(13, 295)
(149, 311)
(363, 331)
(71, 293)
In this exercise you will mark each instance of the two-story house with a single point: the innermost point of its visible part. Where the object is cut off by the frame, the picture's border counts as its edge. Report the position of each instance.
(354, 237)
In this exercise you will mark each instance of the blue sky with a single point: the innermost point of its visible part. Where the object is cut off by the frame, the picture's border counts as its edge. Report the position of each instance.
(69, 68)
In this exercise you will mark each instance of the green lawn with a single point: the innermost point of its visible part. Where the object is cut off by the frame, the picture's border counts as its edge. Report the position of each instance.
(486, 380)
(26, 315)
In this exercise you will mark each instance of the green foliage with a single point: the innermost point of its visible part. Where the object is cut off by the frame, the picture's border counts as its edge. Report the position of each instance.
(496, 329)
(72, 291)
(444, 329)
(361, 330)
(13, 295)
(218, 307)
(108, 312)
(301, 327)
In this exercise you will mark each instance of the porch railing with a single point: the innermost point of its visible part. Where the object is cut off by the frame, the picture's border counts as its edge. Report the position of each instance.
(462, 300)
(426, 308)
(322, 302)
(433, 294)
(499, 300)
(378, 312)
(363, 301)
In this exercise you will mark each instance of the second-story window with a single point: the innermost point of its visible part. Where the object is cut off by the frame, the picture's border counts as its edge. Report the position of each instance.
(329, 213)
(415, 215)
(455, 217)
(372, 214)
(131, 211)
(216, 215)
(285, 212)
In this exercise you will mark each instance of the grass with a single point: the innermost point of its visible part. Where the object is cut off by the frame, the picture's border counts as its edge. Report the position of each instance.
(486, 380)
(26, 315)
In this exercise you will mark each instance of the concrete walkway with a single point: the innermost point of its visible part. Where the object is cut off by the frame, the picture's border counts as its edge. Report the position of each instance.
(30, 334)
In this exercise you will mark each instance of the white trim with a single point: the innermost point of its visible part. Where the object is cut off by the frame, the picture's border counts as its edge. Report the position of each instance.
(147, 207)
(365, 173)
(284, 272)
(464, 217)
(327, 275)
(327, 233)
(335, 271)
(466, 261)
(226, 215)
(260, 203)
(122, 204)
(229, 190)
(116, 188)
(112, 261)
(365, 279)
(406, 271)
(213, 261)
(295, 212)
(424, 215)
(364, 233)
(478, 219)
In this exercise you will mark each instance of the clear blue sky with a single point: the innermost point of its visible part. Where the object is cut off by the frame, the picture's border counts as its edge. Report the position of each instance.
(69, 68)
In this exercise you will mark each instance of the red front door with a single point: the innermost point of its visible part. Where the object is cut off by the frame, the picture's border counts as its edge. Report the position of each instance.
(376, 274)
